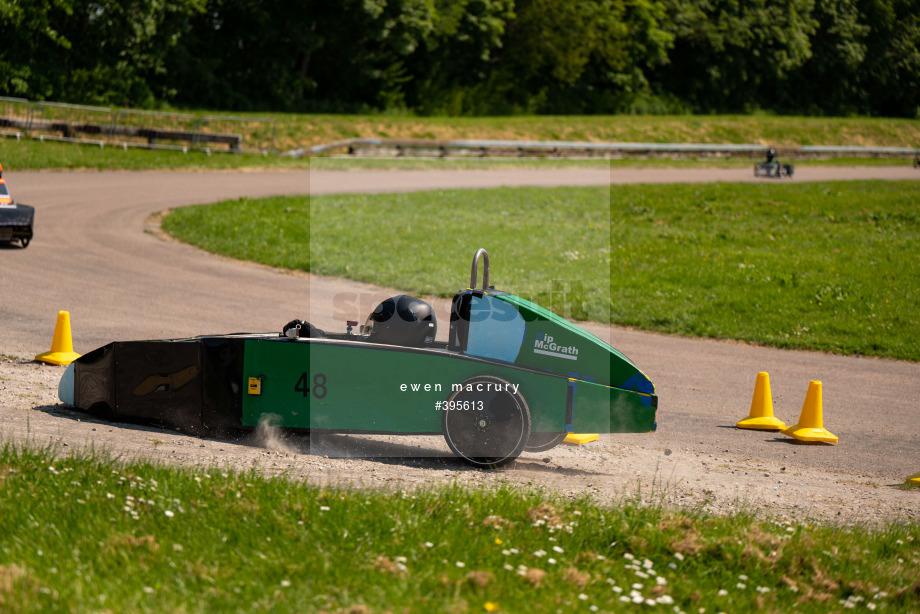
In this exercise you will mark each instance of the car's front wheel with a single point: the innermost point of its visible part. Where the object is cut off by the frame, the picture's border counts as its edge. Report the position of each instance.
(486, 422)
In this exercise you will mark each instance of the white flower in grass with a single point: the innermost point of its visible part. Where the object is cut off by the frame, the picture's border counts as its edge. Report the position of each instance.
(460, 564)
(540, 553)
(169, 513)
(582, 596)
(558, 549)
(722, 592)
(285, 583)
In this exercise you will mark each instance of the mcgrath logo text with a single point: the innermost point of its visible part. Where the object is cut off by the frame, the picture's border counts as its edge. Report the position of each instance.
(544, 344)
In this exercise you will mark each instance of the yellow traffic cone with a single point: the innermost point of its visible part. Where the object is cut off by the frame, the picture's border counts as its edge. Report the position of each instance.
(761, 417)
(914, 479)
(61, 352)
(577, 439)
(810, 427)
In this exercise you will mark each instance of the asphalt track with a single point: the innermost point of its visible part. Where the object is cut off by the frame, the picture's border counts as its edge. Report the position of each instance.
(96, 255)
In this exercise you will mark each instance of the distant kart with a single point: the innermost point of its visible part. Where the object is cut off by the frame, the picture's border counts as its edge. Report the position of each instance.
(772, 167)
(511, 377)
(15, 219)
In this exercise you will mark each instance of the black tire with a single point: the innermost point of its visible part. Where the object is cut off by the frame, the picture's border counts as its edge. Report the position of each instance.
(541, 442)
(24, 241)
(493, 435)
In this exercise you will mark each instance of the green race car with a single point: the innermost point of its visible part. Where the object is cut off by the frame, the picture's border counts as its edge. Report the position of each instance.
(512, 376)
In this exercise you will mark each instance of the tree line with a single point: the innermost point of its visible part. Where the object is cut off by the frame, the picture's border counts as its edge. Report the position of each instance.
(469, 57)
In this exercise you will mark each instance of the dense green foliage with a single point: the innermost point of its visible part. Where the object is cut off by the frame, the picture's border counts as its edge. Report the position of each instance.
(822, 266)
(469, 56)
(90, 535)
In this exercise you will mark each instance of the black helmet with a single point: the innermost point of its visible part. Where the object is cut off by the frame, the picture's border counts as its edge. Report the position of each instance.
(402, 320)
(771, 155)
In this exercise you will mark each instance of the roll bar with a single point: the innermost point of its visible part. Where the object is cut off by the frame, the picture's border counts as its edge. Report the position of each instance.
(481, 252)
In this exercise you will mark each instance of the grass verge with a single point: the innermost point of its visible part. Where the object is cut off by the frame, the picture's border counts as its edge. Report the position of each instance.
(28, 154)
(822, 266)
(81, 534)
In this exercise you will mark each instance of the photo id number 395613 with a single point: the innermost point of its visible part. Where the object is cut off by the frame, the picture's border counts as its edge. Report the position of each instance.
(459, 405)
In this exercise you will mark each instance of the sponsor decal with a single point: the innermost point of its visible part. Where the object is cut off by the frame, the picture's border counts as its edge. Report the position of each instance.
(544, 344)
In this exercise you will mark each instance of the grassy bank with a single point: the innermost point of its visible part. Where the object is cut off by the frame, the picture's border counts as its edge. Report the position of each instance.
(87, 534)
(823, 266)
(294, 131)
(306, 130)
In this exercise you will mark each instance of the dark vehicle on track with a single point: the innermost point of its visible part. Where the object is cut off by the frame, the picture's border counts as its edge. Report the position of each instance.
(15, 219)
(773, 167)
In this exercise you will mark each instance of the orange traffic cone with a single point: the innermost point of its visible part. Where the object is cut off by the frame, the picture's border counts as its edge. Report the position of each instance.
(61, 352)
(761, 417)
(810, 427)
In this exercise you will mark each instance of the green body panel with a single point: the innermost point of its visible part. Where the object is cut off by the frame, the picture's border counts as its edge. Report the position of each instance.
(602, 409)
(359, 387)
(571, 380)
(553, 344)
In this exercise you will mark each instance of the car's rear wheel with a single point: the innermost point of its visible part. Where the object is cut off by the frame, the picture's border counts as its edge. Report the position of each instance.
(486, 422)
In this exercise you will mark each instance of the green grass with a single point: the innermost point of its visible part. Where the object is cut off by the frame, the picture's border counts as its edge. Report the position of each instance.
(85, 534)
(29, 154)
(823, 266)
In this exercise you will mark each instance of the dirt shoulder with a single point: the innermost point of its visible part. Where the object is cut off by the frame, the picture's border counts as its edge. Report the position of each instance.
(612, 469)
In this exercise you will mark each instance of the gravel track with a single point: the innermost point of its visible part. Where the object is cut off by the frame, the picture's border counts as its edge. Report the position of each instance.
(97, 254)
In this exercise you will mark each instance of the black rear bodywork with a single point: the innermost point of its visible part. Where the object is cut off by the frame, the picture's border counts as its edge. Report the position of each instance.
(194, 385)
